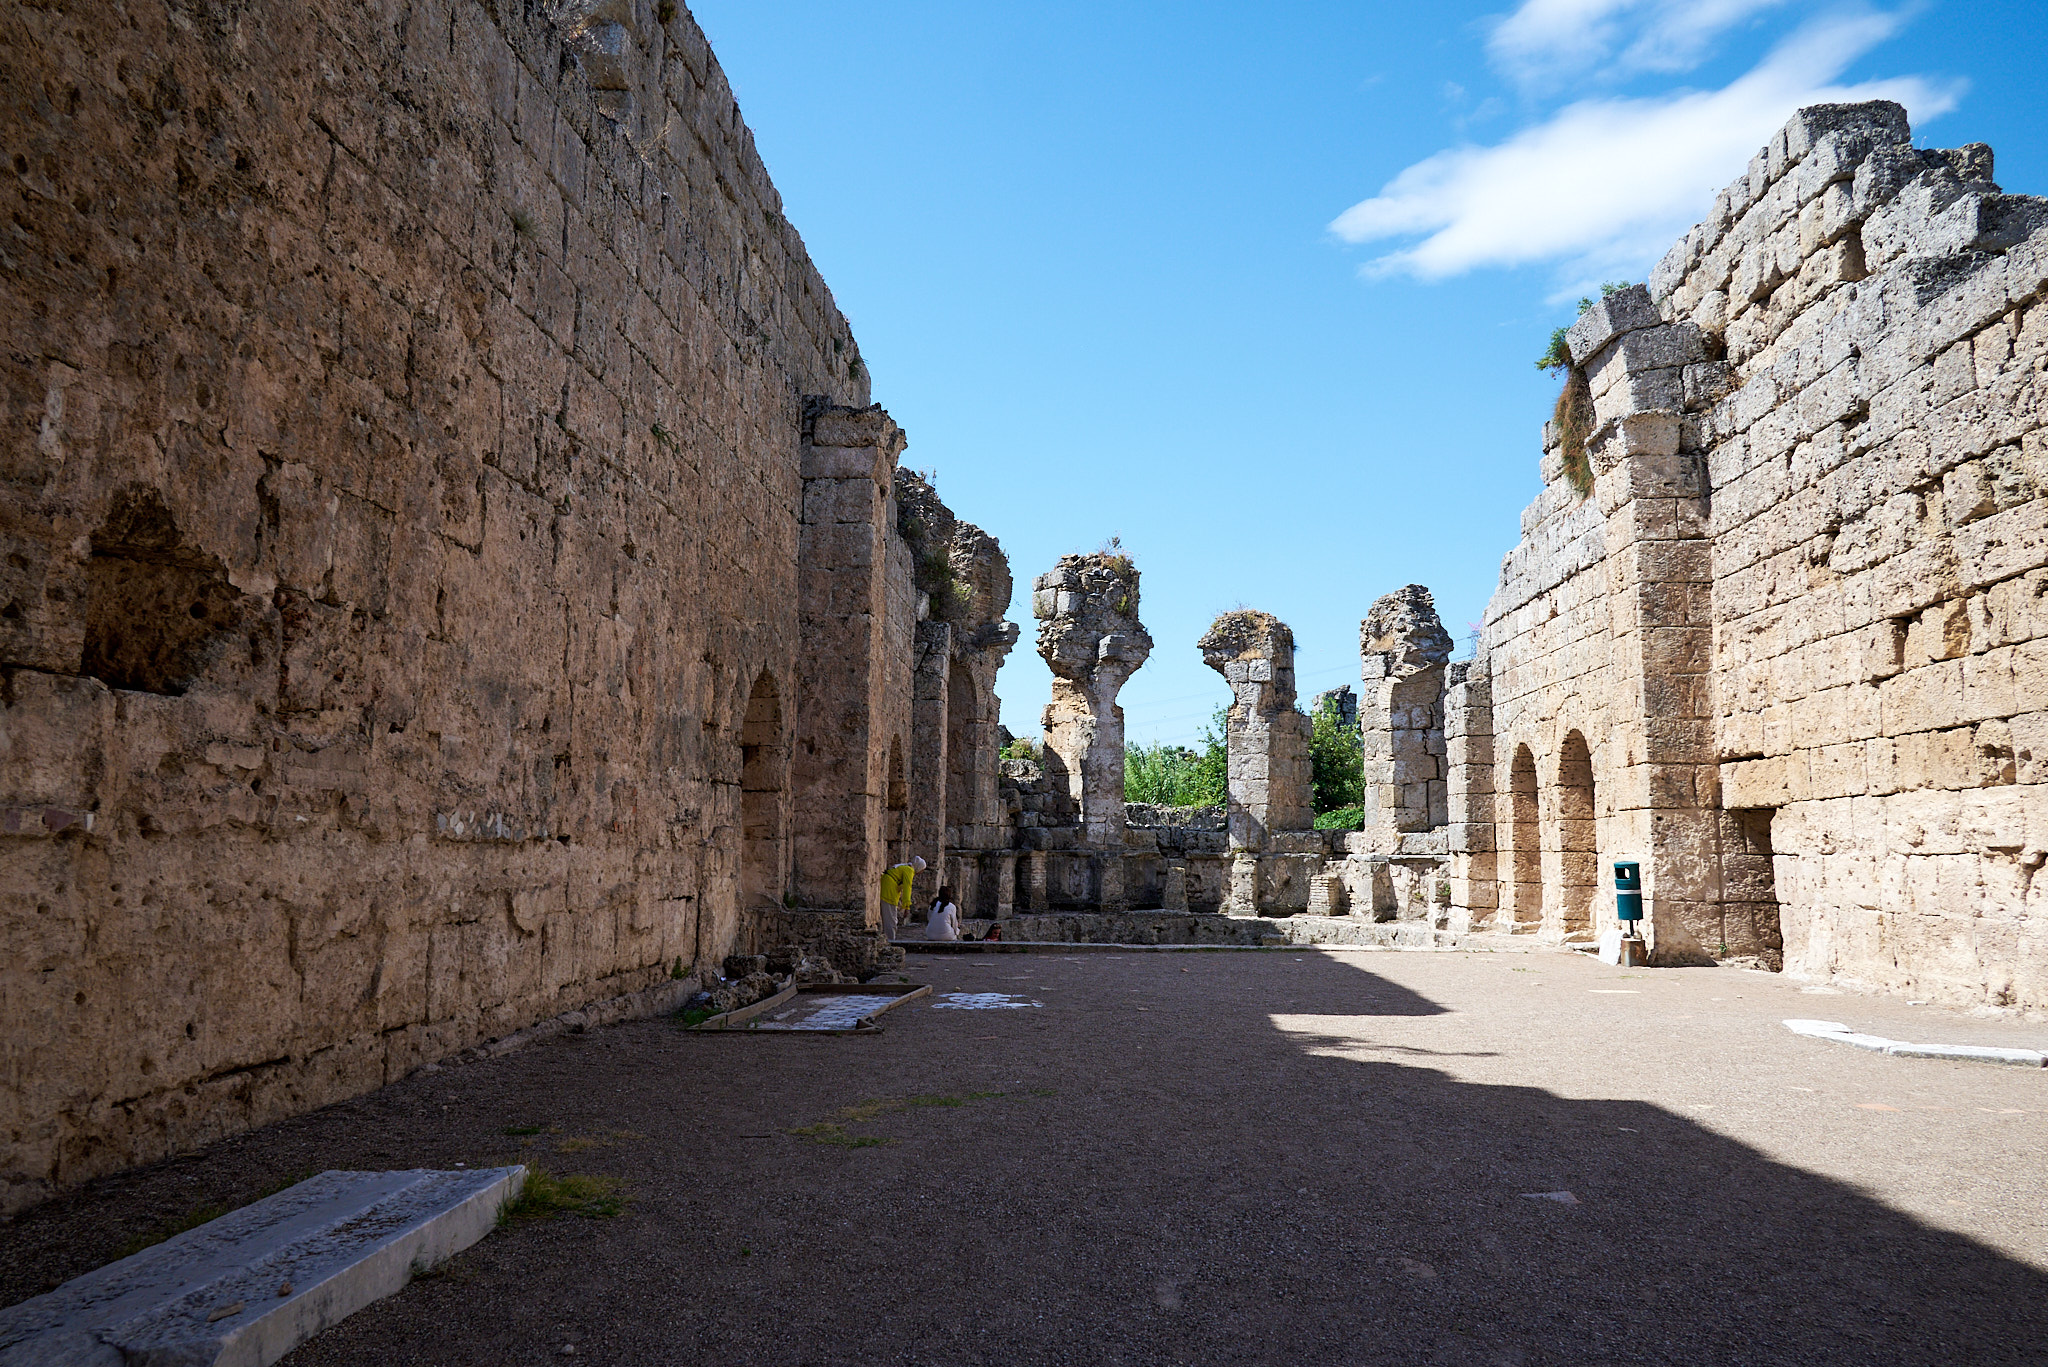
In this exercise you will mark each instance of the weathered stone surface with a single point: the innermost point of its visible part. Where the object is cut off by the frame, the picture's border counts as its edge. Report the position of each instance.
(1785, 653)
(1090, 636)
(1267, 737)
(452, 570)
(957, 813)
(1342, 702)
(1403, 649)
(249, 1287)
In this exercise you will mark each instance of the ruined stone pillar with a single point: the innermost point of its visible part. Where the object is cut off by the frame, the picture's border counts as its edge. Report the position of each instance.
(1468, 785)
(1270, 778)
(1005, 867)
(1088, 632)
(1241, 890)
(1036, 897)
(1174, 895)
(963, 582)
(1403, 648)
(840, 767)
(1652, 493)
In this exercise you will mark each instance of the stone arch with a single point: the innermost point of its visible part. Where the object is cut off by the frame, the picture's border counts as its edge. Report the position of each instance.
(764, 798)
(1522, 883)
(1576, 837)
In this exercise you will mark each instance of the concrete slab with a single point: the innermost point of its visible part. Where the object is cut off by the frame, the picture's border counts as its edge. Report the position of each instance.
(244, 1290)
(1980, 1053)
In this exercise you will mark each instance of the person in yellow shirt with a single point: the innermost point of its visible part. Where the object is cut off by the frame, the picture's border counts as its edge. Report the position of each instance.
(897, 881)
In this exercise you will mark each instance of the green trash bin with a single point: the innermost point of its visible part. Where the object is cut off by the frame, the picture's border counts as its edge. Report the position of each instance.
(1628, 891)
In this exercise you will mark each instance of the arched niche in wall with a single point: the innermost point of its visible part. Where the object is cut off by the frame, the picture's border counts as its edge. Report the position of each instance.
(1576, 836)
(1522, 881)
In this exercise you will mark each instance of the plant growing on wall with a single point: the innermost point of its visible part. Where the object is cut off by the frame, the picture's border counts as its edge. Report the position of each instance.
(1557, 356)
(932, 564)
(1573, 418)
(1573, 415)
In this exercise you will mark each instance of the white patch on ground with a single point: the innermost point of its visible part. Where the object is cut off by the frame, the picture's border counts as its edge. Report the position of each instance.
(981, 1001)
(826, 1013)
(1838, 1033)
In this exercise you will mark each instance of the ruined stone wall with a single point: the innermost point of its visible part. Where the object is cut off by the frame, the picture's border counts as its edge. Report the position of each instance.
(1798, 620)
(959, 820)
(1880, 565)
(399, 607)
(1561, 655)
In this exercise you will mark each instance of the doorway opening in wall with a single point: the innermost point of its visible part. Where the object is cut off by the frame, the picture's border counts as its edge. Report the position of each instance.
(764, 780)
(1578, 837)
(1752, 924)
(1525, 853)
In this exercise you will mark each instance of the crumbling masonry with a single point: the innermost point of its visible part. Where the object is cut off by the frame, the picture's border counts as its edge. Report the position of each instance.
(1777, 627)
(456, 582)
(454, 578)
(1778, 624)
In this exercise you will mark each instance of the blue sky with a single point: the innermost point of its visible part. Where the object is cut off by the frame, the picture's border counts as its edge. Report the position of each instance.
(1258, 288)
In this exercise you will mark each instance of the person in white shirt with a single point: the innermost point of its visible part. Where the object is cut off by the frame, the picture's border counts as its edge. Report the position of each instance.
(944, 921)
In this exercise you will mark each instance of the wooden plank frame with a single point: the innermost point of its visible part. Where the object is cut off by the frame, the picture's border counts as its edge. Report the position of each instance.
(889, 995)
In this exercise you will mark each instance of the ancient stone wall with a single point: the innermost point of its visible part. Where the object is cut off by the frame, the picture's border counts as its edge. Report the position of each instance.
(412, 546)
(964, 587)
(1788, 648)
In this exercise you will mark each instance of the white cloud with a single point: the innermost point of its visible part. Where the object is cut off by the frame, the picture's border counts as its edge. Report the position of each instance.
(1549, 39)
(1604, 186)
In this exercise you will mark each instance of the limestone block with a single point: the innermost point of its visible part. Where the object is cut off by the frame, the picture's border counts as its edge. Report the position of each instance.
(1624, 311)
(856, 429)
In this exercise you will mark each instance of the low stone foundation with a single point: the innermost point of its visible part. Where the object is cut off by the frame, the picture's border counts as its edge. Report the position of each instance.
(1200, 928)
(842, 938)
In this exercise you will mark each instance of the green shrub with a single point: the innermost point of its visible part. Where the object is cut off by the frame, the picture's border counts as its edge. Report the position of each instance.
(1337, 762)
(1175, 776)
(1343, 819)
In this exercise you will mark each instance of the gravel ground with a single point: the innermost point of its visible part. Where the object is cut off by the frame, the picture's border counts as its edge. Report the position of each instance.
(1313, 1158)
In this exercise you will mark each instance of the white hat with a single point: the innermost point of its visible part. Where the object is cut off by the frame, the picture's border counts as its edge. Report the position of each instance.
(918, 861)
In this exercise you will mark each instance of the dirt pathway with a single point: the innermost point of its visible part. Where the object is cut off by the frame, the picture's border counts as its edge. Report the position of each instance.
(1223, 1158)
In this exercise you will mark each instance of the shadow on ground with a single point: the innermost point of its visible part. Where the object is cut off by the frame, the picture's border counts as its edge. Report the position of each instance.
(1143, 1170)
